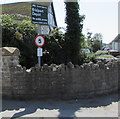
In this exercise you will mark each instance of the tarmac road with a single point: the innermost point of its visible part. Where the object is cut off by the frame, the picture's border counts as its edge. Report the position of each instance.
(102, 106)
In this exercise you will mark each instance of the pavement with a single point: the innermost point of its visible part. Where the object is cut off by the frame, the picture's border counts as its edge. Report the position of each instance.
(102, 106)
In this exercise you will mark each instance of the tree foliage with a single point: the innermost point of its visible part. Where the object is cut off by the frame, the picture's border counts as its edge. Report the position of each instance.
(54, 47)
(20, 34)
(97, 42)
(73, 35)
(18, 31)
(94, 43)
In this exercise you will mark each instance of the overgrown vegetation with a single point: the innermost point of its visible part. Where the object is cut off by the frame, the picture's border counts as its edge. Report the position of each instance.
(54, 47)
(73, 35)
(86, 58)
(92, 42)
(20, 34)
(18, 31)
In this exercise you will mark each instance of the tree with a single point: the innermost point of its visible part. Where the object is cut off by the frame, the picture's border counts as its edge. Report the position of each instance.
(73, 35)
(53, 49)
(97, 42)
(20, 34)
(89, 40)
(93, 43)
(98, 36)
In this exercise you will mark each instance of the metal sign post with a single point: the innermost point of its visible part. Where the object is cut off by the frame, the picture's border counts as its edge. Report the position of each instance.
(39, 15)
(39, 41)
(43, 29)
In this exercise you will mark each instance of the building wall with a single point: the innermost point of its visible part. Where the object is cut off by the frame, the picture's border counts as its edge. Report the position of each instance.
(51, 20)
(58, 82)
(119, 46)
(116, 46)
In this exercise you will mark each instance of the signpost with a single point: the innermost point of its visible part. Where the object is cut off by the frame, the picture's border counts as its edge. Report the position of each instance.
(39, 15)
(45, 29)
(39, 41)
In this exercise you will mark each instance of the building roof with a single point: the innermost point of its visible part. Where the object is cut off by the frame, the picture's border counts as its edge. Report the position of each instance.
(24, 8)
(117, 39)
(53, 13)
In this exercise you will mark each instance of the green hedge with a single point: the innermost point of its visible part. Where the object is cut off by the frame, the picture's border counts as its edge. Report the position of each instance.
(18, 31)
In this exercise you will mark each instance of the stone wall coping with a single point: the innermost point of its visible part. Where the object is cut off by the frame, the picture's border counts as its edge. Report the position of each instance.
(10, 51)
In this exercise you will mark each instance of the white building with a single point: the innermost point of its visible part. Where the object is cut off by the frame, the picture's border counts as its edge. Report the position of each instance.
(116, 43)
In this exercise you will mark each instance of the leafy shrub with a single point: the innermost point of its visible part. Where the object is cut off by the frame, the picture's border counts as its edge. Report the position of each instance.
(18, 31)
(20, 34)
(86, 58)
(54, 47)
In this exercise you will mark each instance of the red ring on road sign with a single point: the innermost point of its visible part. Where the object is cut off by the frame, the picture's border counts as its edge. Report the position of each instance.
(36, 43)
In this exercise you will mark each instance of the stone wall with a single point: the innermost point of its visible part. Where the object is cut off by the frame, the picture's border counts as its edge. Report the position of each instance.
(10, 58)
(62, 82)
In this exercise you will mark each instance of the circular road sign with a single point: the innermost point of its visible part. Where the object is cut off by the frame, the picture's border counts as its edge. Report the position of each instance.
(39, 41)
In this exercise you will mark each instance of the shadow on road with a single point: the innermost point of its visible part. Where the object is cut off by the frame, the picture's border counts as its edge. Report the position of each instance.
(65, 108)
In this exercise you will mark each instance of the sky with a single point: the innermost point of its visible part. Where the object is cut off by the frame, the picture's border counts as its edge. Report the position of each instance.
(101, 16)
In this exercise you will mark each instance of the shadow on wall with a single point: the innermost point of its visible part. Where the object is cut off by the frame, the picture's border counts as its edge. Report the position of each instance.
(65, 108)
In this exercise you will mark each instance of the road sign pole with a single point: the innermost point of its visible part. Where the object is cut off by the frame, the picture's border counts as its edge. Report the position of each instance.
(39, 63)
(39, 54)
(40, 17)
(39, 33)
(39, 29)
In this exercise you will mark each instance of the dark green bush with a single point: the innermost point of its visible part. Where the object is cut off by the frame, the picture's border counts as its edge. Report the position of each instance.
(86, 58)
(18, 31)
(54, 47)
(20, 34)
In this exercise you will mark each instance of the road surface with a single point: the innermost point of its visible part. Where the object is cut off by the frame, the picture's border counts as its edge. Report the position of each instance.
(102, 106)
